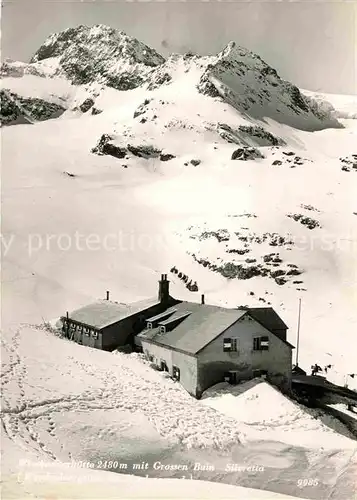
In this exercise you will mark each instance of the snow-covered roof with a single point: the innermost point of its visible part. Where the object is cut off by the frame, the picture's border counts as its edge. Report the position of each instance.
(202, 323)
(105, 312)
(268, 317)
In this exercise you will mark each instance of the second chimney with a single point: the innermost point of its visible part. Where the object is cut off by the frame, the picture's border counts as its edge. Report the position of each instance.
(202, 299)
(164, 293)
(107, 294)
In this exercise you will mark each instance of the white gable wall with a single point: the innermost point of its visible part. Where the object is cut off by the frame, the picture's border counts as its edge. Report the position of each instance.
(213, 362)
(208, 367)
(186, 364)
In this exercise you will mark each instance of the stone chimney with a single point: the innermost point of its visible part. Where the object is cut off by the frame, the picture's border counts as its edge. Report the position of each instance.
(202, 299)
(164, 289)
(107, 294)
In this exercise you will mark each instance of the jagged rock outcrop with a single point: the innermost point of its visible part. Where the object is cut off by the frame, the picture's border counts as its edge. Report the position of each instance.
(99, 53)
(166, 156)
(144, 151)
(243, 80)
(17, 69)
(106, 147)
(309, 222)
(246, 154)
(16, 109)
(248, 135)
(86, 105)
(349, 163)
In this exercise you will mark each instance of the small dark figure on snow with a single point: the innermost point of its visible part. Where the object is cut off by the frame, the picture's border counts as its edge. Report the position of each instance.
(180, 275)
(315, 369)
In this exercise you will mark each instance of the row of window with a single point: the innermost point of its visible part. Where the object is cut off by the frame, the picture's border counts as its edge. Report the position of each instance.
(74, 328)
(259, 344)
(163, 366)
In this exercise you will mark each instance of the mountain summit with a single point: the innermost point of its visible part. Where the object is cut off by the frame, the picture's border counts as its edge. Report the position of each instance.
(99, 53)
(235, 77)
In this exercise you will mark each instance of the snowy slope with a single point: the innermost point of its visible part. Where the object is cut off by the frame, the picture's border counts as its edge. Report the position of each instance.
(66, 404)
(271, 415)
(178, 196)
(76, 224)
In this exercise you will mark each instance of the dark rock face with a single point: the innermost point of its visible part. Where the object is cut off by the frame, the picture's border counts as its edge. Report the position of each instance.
(305, 221)
(126, 81)
(246, 153)
(220, 235)
(206, 87)
(195, 163)
(158, 80)
(349, 163)
(280, 281)
(104, 147)
(289, 158)
(96, 111)
(86, 105)
(142, 108)
(144, 151)
(233, 270)
(298, 100)
(16, 109)
(270, 266)
(265, 138)
(310, 208)
(166, 156)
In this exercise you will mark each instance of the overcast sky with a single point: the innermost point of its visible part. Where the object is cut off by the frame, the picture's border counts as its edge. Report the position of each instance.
(310, 42)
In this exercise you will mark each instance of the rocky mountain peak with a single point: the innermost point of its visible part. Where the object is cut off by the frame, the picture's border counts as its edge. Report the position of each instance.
(246, 82)
(99, 53)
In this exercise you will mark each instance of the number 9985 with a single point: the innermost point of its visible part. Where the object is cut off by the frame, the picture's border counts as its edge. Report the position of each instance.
(307, 482)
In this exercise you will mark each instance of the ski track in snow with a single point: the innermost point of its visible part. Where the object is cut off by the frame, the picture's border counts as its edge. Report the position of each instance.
(83, 383)
(125, 391)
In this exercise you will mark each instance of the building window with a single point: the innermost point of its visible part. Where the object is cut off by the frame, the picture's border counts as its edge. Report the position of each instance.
(227, 345)
(149, 325)
(162, 329)
(86, 330)
(230, 344)
(95, 334)
(176, 373)
(163, 366)
(80, 328)
(261, 344)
